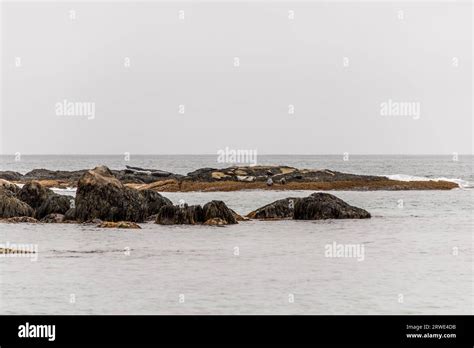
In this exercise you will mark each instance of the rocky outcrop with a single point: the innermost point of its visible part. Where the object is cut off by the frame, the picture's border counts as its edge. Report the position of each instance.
(195, 214)
(63, 178)
(70, 215)
(44, 200)
(10, 176)
(233, 179)
(180, 215)
(34, 194)
(101, 195)
(219, 210)
(317, 206)
(10, 206)
(154, 201)
(54, 204)
(281, 209)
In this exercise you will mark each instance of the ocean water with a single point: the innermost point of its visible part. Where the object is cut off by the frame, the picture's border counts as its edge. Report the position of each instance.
(413, 257)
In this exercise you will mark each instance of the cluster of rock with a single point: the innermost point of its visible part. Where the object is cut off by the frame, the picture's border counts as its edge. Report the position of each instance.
(32, 202)
(233, 178)
(128, 175)
(212, 213)
(278, 174)
(103, 199)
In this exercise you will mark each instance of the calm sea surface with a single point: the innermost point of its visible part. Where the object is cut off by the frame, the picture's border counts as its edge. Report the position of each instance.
(417, 250)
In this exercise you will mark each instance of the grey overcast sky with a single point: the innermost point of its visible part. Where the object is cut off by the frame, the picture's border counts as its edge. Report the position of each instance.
(335, 63)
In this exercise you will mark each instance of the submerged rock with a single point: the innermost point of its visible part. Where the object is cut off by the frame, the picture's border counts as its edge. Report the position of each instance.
(53, 219)
(216, 222)
(10, 206)
(119, 224)
(15, 251)
(20, 219)
(101, 195)
(321, 205)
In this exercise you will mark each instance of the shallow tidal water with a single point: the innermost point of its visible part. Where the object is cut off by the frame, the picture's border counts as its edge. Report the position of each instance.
(417, 259)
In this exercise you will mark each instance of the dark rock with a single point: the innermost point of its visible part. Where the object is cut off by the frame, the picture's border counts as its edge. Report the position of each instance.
(218, 209)
(53, 218)
(269, 182)
(46, 174)
(54, 204)
(34, 194)
(101, 195)
(326, 206)
(44, 200)
(70, 215)
(176, 215)
(10, 206)
(154, 201)
(281, 209)
(10, 176)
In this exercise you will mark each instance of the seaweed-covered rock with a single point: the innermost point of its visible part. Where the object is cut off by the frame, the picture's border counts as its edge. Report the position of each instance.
(44, 200)
(54, 204)
(154, 201)
(7, 185)
(218, 209)
(321, 205)
(70, 215)
(10, 206)
(180, 215)
(34, 194)
(280, 209)
(119, 224)
(101, 195)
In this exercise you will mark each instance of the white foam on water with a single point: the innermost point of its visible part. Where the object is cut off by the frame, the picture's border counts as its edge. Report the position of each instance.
(64, 191)
(404, 177)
